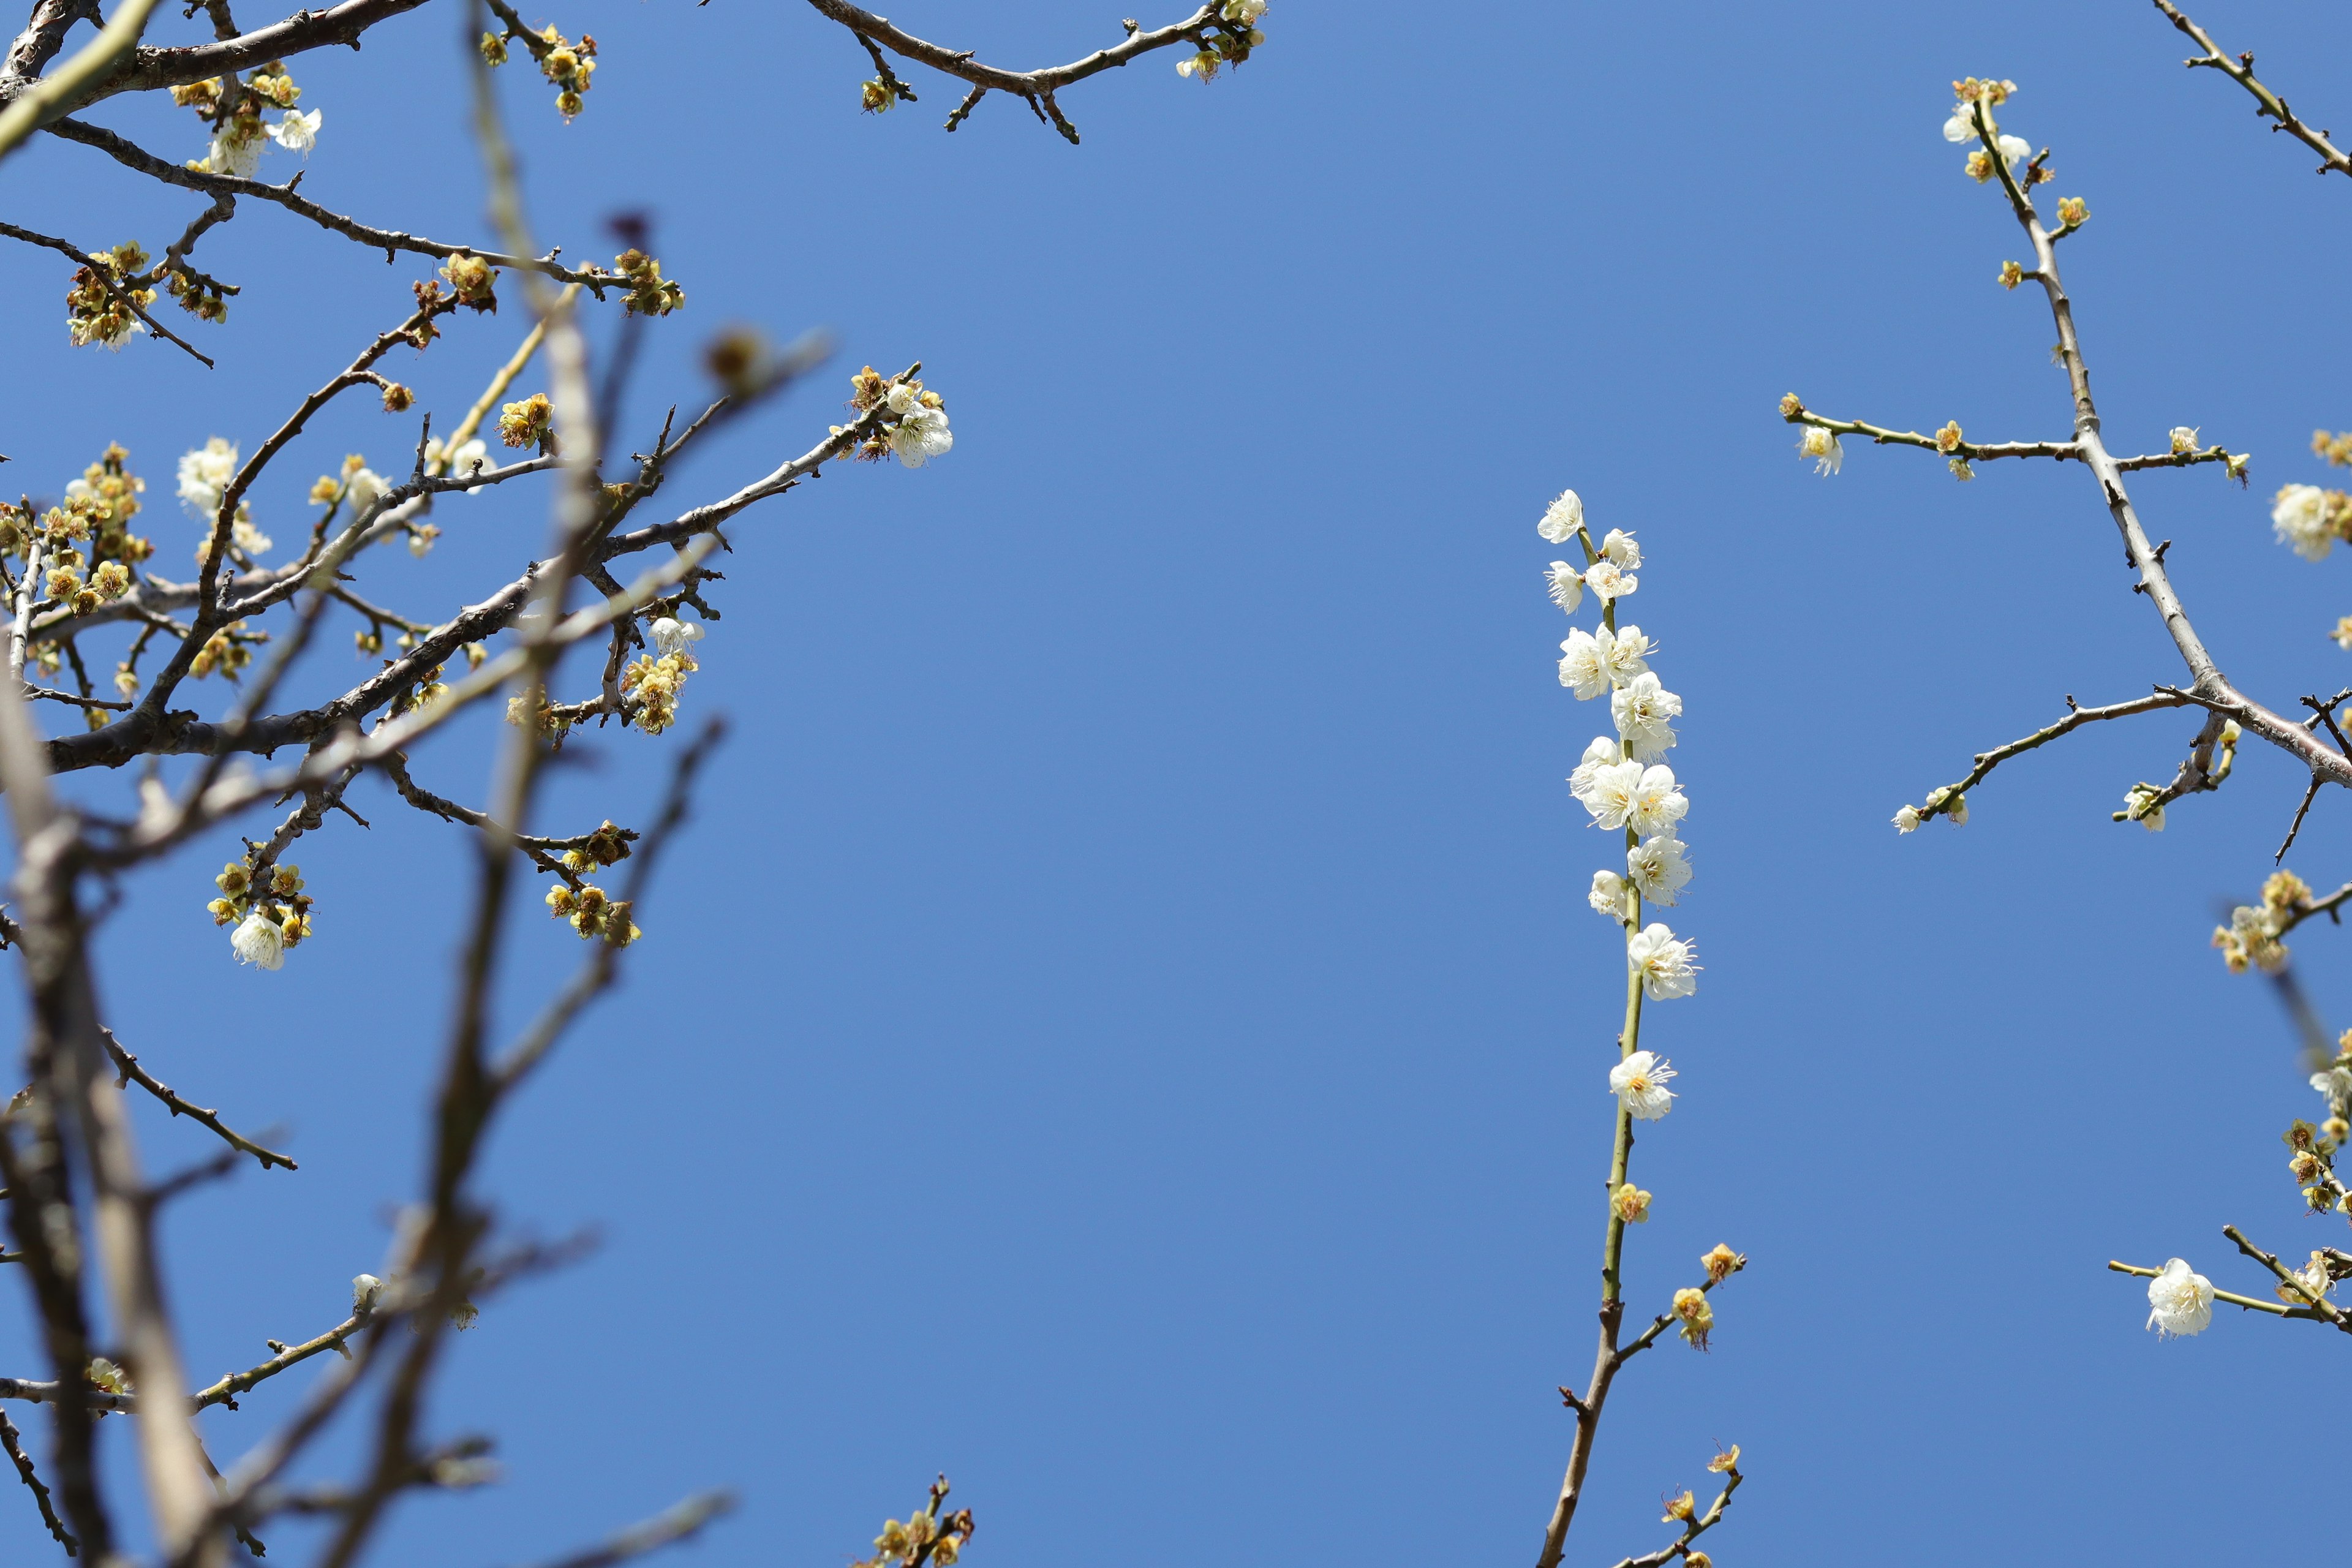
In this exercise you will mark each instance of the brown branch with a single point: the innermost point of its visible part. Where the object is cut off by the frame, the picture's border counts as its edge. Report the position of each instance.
(129, 1070)
(146, 69)
(677, 1523)
(2076, 717)
(24, 1472)
(389, 241)
(1037, 87)
(114, 288)
(2321, 1307)
(2267, 104)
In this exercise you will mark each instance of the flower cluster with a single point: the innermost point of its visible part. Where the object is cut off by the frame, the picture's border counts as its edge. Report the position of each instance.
(235, 112)
(527, 424)
(593, 912)
(2251, 937)
(915, 428)
(1230, 36)
(205, 475)
(269, 918)
(99, 305)
(83, 545)
(652, 682)
(2309, 520)
(472, 279)
(2311, 1160)
(1973, 96)
(928, 1536)
(650, 294)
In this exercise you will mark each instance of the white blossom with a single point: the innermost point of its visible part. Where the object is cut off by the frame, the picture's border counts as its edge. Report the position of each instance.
(2299, 518)
(1658, 802)
(242, 534)
(235, 150)
(2014, 150)
(461, 462)
(1608, 895)
(1243, 10)
(1610, 581)
(2335, 1084)
(1663, 963)
(1563, 518)
(1908, 819)
(1642, 707)
(1624, 653)
(1822, 447)
(2138, 809)
(1657, 868)
(366, 1289)
(672, 635)
(1960, 127)
(1620, 548)
(1610, 791)
(1567, 585)
(204, 474)
(258, 941)
(903, 396)
(2184, 438)
(363, 489)
(920, 435)
(1639, 1082)
(2179, 1301)
(1602, 753)
(297, 131)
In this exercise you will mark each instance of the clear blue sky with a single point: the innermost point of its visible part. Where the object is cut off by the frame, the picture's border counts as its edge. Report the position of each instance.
(1125, 1028)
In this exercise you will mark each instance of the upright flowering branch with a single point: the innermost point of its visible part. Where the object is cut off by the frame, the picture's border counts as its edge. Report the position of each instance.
(2304, 517)
(1626, 788)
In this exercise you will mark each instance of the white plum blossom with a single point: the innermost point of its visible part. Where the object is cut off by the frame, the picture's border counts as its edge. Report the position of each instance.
(1959, 127)
(2014, 150)
(1625, 655)
(1610, 793)
(1657, 868)
(1593, 662)
(2179, 1301)
(1658, 802)
(1639, 1082)
(2184, 438)
(673, 635)
(258, 941)
(297, 131)
(921, 435)
(2138, 809)
(363, 489)
(1610, 581)
(1663, 963)
(2299, 518)
(1908, 819)
(1641, 708)
(903, 396)
(1619, 549)
(366, 1289)
(462, 462)
(1567, 585)
(204, 475)
(1608, 895)
(1563, 518)
(1822, 447)
(235, 150)
(1602, 753)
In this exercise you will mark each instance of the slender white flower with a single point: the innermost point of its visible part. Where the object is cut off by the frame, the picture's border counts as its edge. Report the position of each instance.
(1608, 895)
(1663, 963)
(2299, 518)
(1610, 581)
(2014, 150)
(1567, 584)
(1960, 127)
(297, 132)
(1821, 446)
(921, 435)
(1908, 819)
(1657, 868)
(1641, 708)
(1658, 802)
(1639, 1082)
(363, 489)
(1602, 753)
(1563, 518)
(675, 637)
(1611, 793)
(2179, 1301)
(2184, 438)
(204, 474)
(1620, 548)
(258, 941)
